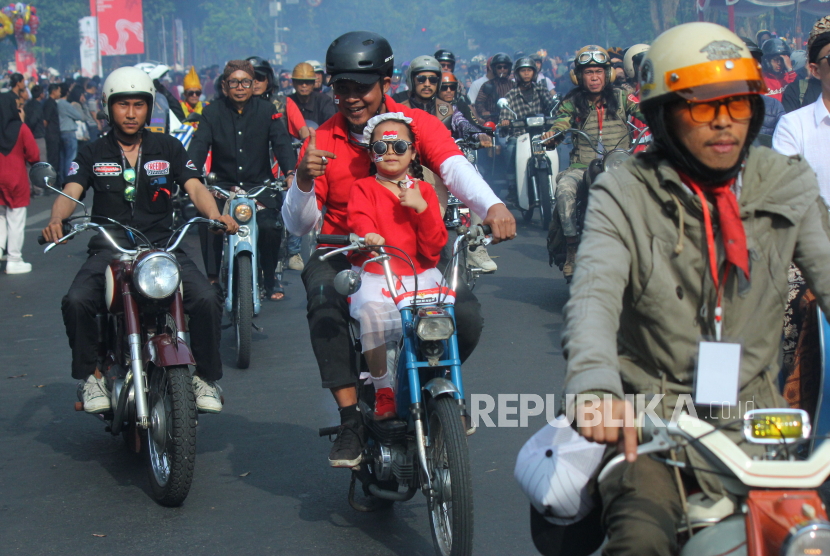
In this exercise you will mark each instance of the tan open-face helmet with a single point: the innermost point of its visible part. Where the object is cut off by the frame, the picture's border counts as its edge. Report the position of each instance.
(636, 52)
(303, 72)
(699, 62)
(592, 56)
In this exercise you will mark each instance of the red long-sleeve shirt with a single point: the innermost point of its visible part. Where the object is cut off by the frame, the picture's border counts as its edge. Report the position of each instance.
(373, 208)
(432, 141)
(14, 180)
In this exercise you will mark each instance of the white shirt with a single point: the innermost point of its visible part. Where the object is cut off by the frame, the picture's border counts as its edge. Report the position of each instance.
(472, 94)
(806, 131)
(547, 82)
(300, 212)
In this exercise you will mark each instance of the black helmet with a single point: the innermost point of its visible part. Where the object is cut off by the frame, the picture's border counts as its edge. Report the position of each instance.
(500, 58)
(444, 55)
(772, 48)
(360, 56)
(756, 52)
(263, 67)
(525, 62)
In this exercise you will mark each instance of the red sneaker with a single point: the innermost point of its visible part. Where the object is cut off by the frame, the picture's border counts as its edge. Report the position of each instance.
(384, 404)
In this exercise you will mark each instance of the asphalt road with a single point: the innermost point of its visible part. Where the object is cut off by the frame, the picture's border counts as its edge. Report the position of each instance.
(262, 482)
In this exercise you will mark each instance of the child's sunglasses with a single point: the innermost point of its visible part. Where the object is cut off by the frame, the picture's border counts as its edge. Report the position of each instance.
(380, 147)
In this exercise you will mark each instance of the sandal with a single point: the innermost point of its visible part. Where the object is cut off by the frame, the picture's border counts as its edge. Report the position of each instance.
(277, 293)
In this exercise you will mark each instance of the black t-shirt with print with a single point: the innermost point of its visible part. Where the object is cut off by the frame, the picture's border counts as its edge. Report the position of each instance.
(163, 164)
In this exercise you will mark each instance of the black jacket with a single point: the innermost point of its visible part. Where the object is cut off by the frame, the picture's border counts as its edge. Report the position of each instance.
(792, 93)
(34, 118)
(242, 143)
(319, 108)
(50, 114)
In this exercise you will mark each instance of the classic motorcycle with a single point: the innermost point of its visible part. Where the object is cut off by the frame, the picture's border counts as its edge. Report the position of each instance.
(778, 509)
(536, 167)
(605, 161)
(425, 446)
(240, 274)
(143, 351)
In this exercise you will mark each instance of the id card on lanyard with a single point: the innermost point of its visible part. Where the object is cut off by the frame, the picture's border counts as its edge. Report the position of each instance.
(717, 377)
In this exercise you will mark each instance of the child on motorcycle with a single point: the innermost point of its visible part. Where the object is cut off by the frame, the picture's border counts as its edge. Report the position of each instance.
(392, 205)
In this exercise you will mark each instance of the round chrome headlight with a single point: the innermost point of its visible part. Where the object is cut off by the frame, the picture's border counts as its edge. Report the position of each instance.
(157, 275)
(242, 213)
(614, 160)
(813, 538)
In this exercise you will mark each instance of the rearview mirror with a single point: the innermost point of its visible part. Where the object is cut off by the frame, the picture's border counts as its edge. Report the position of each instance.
(347, 282)
(211, 179)
(42, 172)
(503, 104)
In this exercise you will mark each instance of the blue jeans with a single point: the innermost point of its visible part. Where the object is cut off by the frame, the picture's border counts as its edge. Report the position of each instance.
(69, 149)
(294, 243)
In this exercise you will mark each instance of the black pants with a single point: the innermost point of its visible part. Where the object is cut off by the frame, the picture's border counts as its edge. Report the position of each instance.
(328, 319)
(85, 299)
(268, 246)
(53, 156)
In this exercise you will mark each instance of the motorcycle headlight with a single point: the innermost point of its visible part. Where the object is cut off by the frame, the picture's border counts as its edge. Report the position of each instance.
(434, 324)
(157, 275)
(776, 426)
(535, 121)
(243, 213)
(813, 538)
(614, 160)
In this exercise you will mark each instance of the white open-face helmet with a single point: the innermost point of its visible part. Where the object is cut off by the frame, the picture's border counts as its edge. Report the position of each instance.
(127, 81)
(634, 56)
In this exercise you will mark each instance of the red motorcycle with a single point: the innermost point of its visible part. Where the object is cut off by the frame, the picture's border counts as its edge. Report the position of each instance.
(143, 349)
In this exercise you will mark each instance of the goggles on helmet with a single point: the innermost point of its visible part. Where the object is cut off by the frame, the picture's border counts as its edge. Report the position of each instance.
(595, 55)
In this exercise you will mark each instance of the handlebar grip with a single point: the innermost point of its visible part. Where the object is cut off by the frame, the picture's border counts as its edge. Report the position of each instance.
(217, 225)
(328, 239)
(41, 240)
(486, 229)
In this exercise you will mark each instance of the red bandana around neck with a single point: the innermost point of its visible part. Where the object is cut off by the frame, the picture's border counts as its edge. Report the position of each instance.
(729, 218)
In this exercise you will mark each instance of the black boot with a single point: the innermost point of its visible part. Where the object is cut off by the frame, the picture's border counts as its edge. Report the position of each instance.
(347, 450)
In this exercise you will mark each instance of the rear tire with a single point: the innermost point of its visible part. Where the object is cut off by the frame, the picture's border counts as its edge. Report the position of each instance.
(451, 516)
(243, 309)
(171, 438)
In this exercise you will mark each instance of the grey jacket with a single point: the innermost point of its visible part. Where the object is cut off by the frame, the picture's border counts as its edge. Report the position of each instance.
(69, 115)
(642, 295)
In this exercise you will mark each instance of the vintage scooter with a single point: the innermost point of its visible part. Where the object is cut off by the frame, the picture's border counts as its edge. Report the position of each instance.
(425, 446)
(776, 511)
(536, 168)
(143, 351)
(240, 274)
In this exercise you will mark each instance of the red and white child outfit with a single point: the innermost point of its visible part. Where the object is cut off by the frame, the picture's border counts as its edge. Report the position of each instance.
(375, 209)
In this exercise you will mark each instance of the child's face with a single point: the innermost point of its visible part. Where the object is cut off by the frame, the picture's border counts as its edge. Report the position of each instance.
(391, 163)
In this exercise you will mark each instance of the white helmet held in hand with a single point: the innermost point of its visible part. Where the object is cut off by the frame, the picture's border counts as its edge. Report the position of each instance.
(127, 81)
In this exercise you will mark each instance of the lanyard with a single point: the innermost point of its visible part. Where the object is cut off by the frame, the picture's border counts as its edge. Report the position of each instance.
(136, 170)
(713, 262)
(600, 114)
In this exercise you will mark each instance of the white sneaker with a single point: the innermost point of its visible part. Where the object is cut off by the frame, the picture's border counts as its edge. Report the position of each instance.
(95, 396)
(208, 398)
(481, 259)
(296, 263)
(18, 267)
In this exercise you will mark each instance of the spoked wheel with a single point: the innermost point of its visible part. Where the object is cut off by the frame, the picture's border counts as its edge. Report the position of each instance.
(451, 504)
(243, 309)
(171, 438)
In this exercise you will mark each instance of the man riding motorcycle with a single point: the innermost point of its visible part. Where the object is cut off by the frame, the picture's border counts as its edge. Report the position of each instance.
(192, 95)
(116, 168)
(314, 106)
(778, 69)
(361, 64)
(241, 131)
(601, 111)
(528, 98)
(424, 79)
(495, 88)
(448, 62)
(287, 110)
(670, 257)
(632, 60)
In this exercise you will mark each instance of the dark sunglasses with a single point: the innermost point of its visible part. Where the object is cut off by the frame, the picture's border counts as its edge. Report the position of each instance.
(261, 77)
(191, 93)
(421, 79)
(453, 87)
(400, 146)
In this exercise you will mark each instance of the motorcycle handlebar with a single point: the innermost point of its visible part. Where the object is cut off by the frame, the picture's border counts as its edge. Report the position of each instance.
(41, 240)
(329, 239)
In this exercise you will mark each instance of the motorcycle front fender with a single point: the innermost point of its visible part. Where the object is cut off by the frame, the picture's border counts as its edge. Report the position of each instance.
(165, 351)
(438, 387)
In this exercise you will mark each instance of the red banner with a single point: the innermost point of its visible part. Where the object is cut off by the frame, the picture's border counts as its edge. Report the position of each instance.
(25, 63)
(120, 27)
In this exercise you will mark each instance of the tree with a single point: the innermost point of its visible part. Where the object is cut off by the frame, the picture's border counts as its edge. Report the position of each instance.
(663, 13)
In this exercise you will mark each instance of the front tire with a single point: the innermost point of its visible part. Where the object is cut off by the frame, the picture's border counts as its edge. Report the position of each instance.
(451, 504)
(546, 205)
(171, 438)
(243, 309)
